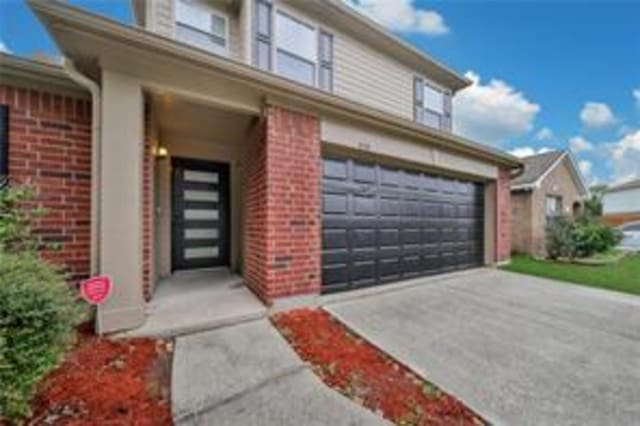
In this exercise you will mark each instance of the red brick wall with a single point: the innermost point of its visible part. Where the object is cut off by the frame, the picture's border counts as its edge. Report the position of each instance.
(50, 148)
(282, 222)
(147, 207)
(503, 215)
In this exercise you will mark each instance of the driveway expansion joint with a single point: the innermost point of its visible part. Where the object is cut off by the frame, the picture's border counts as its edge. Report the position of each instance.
(208, 407)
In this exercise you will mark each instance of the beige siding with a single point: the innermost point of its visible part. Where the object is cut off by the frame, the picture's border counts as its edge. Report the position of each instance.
(369, 141)
(361, 73)
(373, 79)
(161, 17)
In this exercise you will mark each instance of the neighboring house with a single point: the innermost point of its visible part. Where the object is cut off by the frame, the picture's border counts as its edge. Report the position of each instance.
(550, 186)
(621, 203)
(297, 143)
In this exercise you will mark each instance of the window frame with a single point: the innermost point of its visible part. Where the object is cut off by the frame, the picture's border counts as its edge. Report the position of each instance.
(272, 41)
(559, 205)
(211, 10)
(276, 48)
(419, 107)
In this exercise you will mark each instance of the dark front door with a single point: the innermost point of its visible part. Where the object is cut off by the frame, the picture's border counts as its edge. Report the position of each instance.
(200, 214)
(382, 224)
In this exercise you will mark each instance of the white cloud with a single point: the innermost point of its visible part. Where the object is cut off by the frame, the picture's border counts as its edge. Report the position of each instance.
(544, 134)
(527, 151)
(579, 144)
(596, 114)
(402, 15)
(636, 96)
(625, 157)
(4, 48)
(585, 167)
(492, 113)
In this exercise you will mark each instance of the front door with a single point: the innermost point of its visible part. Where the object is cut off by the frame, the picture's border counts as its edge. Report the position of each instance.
(200, 214)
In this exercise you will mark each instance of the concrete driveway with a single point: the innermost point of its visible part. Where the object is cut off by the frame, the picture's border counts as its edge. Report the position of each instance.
(517, 349)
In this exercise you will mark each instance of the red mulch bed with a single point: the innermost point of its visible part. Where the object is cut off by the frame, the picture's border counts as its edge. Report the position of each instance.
(108, 382)
(367, 375)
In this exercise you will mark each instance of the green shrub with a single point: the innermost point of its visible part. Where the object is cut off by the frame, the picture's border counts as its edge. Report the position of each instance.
(38, 309)
(38, 316)
(559, 233)
(582, 237)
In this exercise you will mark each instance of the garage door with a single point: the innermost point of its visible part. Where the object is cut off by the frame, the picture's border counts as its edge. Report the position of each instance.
(383, 224)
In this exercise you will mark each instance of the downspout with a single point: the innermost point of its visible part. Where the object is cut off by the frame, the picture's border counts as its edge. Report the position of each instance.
(94, 89)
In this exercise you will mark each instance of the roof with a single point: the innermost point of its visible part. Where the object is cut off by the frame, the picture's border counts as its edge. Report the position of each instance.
(632, 184)
(86, 36)
(537, 167)
(23, 71)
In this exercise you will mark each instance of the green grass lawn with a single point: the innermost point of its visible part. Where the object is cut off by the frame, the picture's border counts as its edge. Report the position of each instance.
(621, 276)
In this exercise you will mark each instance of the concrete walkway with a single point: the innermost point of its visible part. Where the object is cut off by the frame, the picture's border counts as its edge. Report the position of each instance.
(198, 300)
(248, 375)
(517, 349)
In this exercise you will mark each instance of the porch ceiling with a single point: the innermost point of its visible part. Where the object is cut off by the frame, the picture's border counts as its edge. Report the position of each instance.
(184, 117)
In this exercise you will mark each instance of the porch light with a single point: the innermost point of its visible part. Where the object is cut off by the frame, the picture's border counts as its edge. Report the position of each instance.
(161, 151)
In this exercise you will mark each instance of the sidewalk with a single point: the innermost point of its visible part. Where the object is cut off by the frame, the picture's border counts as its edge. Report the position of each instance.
(248, 375)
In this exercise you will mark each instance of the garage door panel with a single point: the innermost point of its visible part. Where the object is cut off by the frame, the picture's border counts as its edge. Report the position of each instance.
(363, 237)
(335, 169)
(363, 205)
(334, 238)
(382, 224)
(333, 275)
(335, 203)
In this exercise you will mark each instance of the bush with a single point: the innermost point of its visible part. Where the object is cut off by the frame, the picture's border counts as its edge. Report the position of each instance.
(559, 238)
(38, 309)
(582, 237)
(38, 315)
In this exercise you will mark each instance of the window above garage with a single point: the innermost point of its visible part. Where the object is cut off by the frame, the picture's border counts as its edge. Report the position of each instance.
(432, 105)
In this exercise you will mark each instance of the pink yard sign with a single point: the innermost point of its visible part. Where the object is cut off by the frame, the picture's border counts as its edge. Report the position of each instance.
(96, 290)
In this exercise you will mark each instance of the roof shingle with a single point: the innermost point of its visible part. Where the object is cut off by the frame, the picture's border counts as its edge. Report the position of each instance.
(535, 166)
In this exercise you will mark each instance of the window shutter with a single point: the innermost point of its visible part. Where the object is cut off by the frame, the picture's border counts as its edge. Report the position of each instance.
(263, 34)
(4, 141)
(325, 55)
(418, 99)
(447, 119)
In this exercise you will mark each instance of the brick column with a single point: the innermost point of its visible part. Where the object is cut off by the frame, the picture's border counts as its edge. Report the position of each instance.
(503, 215)
(282, 222)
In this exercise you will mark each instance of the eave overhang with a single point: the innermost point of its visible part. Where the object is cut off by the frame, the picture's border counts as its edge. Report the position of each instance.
(63, 20)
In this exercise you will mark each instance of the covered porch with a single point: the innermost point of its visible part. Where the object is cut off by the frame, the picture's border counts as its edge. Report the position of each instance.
(193, 264)
(191, 301)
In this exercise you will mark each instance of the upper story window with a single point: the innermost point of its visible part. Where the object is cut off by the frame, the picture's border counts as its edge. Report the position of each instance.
(432, 106)
(296, 49)
(291, 47)
(202, 26)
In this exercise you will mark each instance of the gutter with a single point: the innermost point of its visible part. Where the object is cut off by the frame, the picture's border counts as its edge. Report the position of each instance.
(96, 144)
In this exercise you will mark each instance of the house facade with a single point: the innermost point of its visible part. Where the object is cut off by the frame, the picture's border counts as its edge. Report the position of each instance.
(298, 144)
(621, 203)
(550, 186)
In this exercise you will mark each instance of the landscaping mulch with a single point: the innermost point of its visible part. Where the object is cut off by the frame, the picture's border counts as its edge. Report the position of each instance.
(108, 382)
(363, 373)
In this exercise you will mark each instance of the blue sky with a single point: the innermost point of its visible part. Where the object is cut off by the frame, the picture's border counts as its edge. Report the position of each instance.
(547, 75)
